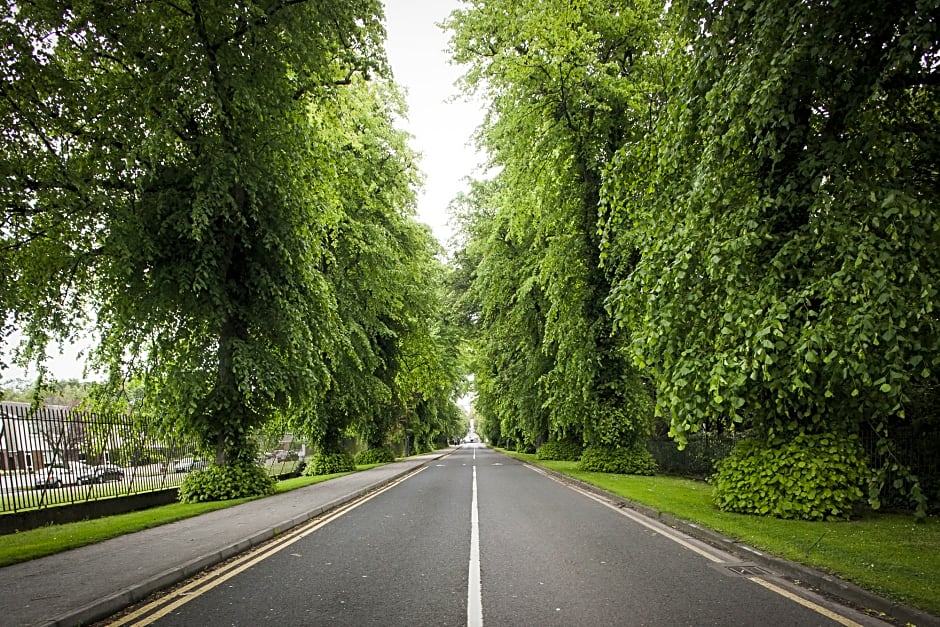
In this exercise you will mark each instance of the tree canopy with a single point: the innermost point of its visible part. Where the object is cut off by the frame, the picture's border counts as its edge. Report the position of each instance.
(219, 190)
(790, 218)
(729, 204)
(561, 80)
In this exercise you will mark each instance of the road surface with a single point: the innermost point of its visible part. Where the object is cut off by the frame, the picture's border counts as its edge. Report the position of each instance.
(479, 538)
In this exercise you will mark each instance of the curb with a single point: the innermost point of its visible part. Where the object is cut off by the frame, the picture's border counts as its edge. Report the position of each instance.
(109, 605)
(830, 585)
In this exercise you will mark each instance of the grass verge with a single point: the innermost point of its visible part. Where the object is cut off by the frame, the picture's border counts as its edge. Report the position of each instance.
(889, 554)
(27, 545)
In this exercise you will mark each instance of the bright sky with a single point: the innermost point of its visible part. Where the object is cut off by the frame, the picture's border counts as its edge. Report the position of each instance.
(441, 127)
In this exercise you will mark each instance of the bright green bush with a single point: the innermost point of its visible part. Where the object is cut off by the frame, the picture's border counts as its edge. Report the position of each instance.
(221, 483)
(811, 477)
(330, 463)
(635, 460)
(374, 456)
(564, 451)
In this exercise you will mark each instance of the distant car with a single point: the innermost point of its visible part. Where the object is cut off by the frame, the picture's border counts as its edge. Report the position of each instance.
(101, 474)
(59, 474)
(189, 464)
(285, 456)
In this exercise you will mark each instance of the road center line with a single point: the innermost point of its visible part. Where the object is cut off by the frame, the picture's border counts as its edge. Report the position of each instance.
(474, 593)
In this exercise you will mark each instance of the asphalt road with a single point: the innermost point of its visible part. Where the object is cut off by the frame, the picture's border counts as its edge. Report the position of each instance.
(544, 554)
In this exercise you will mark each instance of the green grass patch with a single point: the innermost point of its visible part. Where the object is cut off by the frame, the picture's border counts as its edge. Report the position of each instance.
(27, 545)
(29, 499)
(887, 553)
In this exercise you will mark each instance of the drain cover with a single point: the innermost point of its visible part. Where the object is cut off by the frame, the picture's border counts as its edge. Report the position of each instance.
(748, 570)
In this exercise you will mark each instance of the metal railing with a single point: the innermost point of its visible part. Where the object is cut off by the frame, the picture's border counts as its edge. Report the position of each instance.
(697, 459)
(55, 456)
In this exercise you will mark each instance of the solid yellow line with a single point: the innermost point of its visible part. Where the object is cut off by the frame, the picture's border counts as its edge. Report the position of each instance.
(210, 580)
(842, 620)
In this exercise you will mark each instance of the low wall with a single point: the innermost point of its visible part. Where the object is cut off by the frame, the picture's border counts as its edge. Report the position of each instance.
(24, 521)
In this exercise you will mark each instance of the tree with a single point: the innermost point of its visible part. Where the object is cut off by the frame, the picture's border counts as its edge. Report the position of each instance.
(564, 82)
(785, 210)
(161, 170)
(430, 375)
(506, 309)
(384, 276)
(376, 263)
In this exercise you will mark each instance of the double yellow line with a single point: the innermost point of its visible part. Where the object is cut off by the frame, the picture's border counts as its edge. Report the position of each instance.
(150, 613)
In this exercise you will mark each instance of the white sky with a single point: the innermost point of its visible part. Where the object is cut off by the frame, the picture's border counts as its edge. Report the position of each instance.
(440, 124)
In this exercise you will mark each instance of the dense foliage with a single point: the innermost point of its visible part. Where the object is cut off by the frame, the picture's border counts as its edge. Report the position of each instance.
(558, 79)
(811, 477)
(220, 483)
(565, 450)
(391, 356)
(727, 207)
(381, 455)
(634, 460)
(330, 463)
(791, 214)
(218, 191)
(787, 216)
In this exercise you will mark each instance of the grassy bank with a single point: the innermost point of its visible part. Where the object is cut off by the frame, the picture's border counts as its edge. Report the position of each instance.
(889, 554)
(28, 545)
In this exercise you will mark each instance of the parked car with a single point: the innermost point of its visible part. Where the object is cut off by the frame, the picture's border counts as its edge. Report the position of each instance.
(59, 474)
(189, 464)
(285, 456)
(101, 474)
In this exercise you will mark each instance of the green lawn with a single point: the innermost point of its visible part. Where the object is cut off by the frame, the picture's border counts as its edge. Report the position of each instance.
(27, 545)
(889, 554)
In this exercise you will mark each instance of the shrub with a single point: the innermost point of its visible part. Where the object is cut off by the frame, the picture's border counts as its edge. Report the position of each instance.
(221, 483)
(811, 477)
(564, 451)
(635, 460)
(330, 463)
(374, 456)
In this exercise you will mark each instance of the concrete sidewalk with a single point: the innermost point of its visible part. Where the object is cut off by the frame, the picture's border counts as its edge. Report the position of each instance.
(81, 586)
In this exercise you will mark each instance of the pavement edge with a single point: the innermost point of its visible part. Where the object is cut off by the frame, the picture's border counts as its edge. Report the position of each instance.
(804, 575)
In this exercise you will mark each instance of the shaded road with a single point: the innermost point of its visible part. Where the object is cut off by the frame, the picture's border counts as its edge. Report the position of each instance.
(548, 555)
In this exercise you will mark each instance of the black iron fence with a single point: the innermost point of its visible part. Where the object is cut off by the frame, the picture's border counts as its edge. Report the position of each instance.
(56, 456)
(697, 459)
(914, 447)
